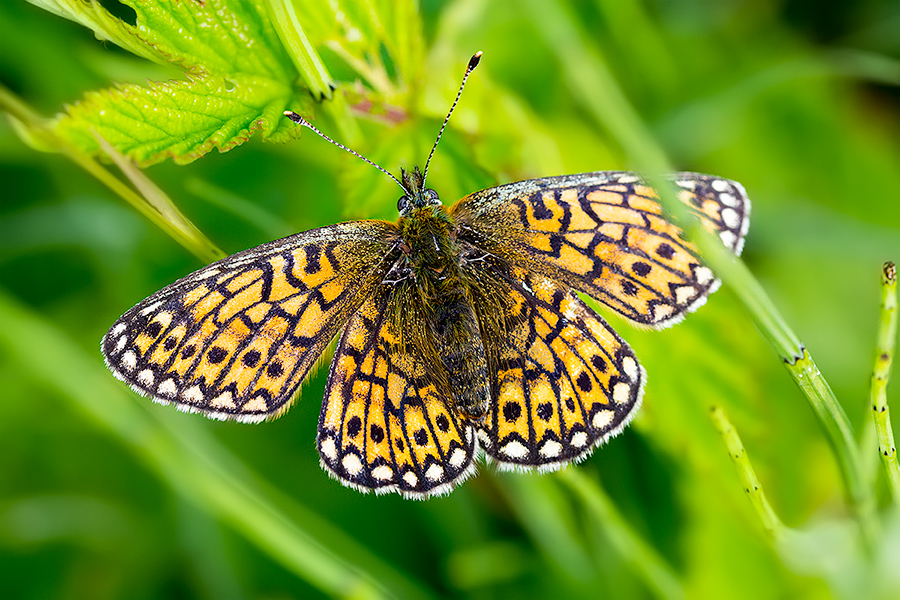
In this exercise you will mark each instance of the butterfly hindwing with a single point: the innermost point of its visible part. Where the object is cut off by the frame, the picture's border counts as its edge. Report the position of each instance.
(236, 338)
(563, 381)
(605, 234)
(385, 425)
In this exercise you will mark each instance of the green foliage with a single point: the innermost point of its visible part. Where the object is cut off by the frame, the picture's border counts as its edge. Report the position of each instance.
(118, 498)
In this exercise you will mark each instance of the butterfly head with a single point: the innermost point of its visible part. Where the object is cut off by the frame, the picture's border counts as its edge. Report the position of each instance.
(416, 195)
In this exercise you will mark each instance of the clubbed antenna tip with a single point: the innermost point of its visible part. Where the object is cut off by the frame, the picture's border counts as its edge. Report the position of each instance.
(473, 62)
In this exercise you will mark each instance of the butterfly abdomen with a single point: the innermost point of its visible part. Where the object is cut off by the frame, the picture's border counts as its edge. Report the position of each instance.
(457, 341)
(454, 345)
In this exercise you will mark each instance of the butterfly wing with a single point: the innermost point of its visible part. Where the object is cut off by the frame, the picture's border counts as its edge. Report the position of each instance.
(235, 339)
(384, 425)
(563, 380)
(605, 234)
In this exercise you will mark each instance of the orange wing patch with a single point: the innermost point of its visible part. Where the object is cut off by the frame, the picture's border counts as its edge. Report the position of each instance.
(384, 425)
(236, 339)
(564, 380)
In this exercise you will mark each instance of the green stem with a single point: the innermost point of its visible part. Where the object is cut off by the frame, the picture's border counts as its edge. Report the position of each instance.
(161, 211)
(770, 521)
(884, 354)
(595, 86)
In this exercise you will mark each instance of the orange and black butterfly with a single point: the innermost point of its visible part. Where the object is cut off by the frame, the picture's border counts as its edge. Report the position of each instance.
(459, 330)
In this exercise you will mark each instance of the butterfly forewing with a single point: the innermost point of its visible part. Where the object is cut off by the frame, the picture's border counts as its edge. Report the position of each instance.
(236, 338)
(385, 424)
(605, 234)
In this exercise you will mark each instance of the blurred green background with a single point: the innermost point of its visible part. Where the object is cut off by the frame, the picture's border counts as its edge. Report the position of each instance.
(105, 495)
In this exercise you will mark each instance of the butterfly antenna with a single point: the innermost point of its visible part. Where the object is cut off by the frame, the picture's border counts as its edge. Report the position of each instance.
(303, 122)
(473, 62)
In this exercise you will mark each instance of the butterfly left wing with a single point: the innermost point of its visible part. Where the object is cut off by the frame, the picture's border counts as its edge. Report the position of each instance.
(235, 339)
(384, 425)
(563, 380)
(605, 234)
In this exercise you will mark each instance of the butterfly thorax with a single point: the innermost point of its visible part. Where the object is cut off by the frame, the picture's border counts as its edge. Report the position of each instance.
(432, 256)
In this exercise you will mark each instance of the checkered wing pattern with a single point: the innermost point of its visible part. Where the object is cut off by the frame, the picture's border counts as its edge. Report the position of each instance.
(563, 381)
(385, 424)
(605, 234)
(235, 339)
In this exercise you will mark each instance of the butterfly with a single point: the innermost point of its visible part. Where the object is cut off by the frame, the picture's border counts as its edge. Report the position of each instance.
(460, 331)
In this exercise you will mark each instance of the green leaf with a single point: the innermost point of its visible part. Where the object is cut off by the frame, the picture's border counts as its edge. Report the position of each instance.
(216, 36)
(182, 120)
(239, 81)
(104, 25)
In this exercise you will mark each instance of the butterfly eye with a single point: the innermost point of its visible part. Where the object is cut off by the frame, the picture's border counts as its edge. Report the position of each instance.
(403, 204)
(432, 196)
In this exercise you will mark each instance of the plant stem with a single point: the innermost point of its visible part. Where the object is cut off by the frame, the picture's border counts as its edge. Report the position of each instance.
(770, 521)
(595, 86)
(884, 354)
(161, 211)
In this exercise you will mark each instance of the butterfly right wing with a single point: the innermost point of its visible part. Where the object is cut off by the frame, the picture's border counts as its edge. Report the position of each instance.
(562, 380)
(606, 235)
(385, 426)
(235, 339)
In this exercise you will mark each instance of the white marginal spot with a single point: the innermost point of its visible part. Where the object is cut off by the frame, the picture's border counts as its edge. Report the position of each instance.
(151, 308)
(731, 218)
(129, 361)
(145, 377)
(603, 417)
(684, 293)
(328, 449)
(704, 275)
(629, 365)
(120, 344)
(117, 329)
(662, 312)
(167, 388)
(621, 393)
(457, 458)
(223, 400)
(257, 404)
(686, 184)
(381, 472)
(720, 185)
(728, 199)
(626, 178)
(579, 439)
(352, 464)
(434, 473)
(194, 395)
(550, 449)
(728, 238)
(410, 478)
(514, 449)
